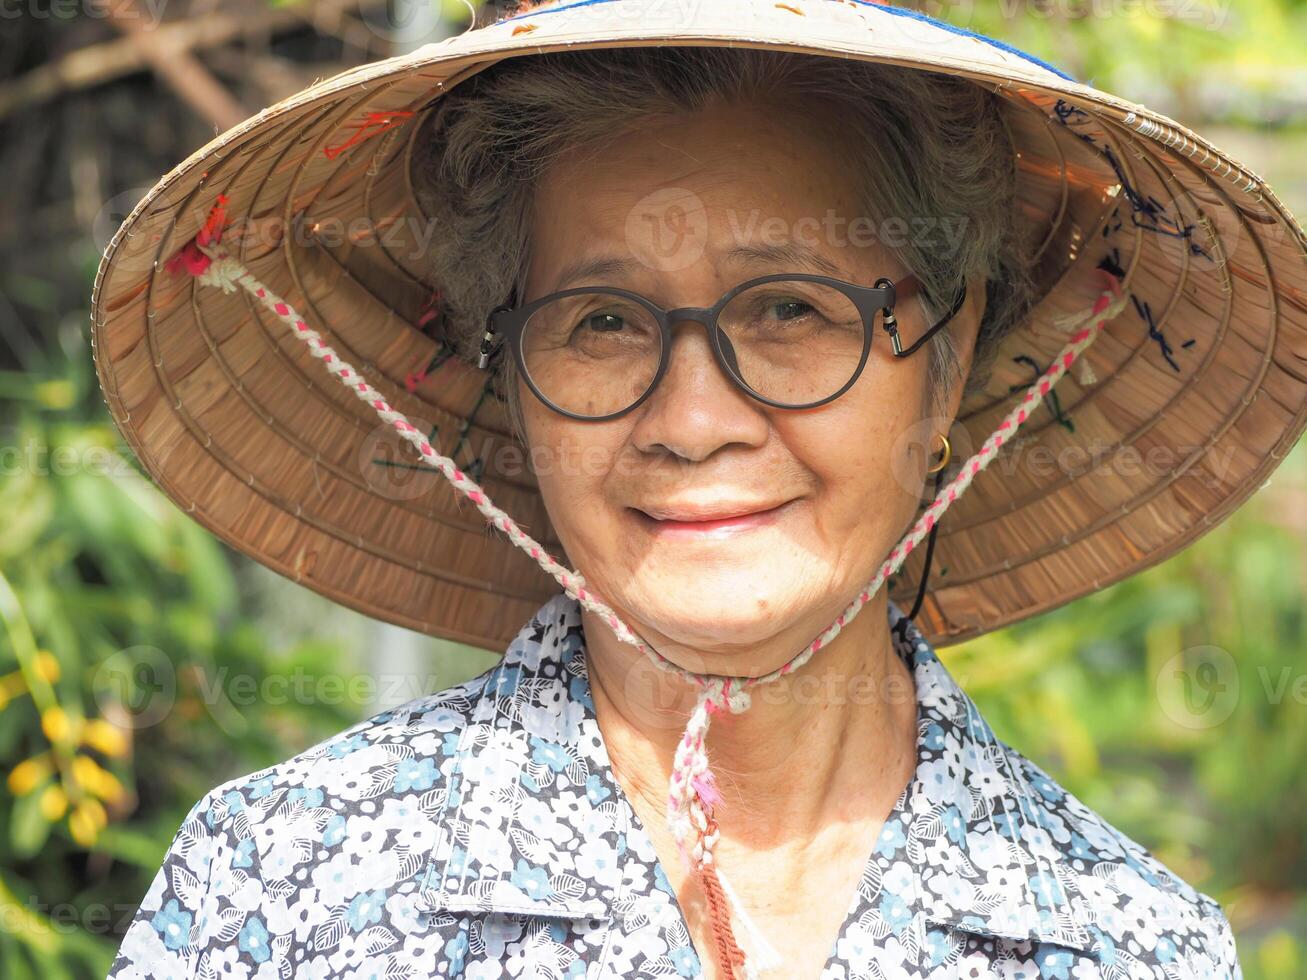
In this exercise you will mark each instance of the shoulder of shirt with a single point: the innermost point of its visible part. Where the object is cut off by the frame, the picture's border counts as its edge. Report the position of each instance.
(421, 731)
(233, 840)
(1174, 903)
(391, 753)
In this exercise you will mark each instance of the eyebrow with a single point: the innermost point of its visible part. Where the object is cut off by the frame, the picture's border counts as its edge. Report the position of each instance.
(593, 268)
(791, 253)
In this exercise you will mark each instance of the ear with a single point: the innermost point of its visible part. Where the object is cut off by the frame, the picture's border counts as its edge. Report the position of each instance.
(965, 330)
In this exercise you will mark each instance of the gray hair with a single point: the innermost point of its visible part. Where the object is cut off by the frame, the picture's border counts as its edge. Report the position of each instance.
(934, 145)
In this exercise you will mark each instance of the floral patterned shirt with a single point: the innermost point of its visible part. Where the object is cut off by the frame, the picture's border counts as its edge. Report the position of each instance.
(479, 833)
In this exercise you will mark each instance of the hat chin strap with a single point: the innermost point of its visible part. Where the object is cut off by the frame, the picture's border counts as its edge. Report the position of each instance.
(692, 792)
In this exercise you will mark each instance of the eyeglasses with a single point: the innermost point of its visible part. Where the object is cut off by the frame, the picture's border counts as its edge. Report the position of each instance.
(788, 340)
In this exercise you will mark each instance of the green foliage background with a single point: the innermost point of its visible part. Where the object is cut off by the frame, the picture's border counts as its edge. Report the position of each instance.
(113, 602)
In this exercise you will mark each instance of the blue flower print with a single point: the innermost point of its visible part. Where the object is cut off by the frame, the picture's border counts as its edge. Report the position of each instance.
(685, 961)
(937, 946)
(173, 925)
(1053, 963)
(954, 825)
(253, 939)
(334, 832)
(456, 951)
(260, 788)
(571, 645)
(531, 880)
(1080, 848)
(934, 737)
(549, 754)
(365, 909)
(595, 788)
(1045, 889)
(343, 747)
(891, 838)
(1165, 949)
(1008, 824)
(504, 681)
(1106, 948)
(1048, 789)
(311, 797)
(413, 774)
(457, 863)
(235, 802)
(579, 689)
(244, 856)
(660, 879)
(895, 912)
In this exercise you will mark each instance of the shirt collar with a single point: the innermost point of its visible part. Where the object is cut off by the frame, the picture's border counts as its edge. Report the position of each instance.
(531, 752)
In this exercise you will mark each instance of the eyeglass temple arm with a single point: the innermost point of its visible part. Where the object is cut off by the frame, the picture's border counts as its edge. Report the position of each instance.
(906, 288)
(487, 348)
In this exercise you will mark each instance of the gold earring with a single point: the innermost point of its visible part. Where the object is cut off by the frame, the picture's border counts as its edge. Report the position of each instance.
(948, 452)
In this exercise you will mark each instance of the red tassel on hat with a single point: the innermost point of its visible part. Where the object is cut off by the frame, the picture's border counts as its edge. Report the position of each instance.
(189, 257)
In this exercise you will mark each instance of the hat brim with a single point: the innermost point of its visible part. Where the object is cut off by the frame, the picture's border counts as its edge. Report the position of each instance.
(1200, 390)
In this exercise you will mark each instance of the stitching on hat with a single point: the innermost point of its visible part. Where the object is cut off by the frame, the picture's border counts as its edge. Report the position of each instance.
(1155, 215)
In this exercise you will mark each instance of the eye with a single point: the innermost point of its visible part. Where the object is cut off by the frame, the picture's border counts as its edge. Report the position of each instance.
(787, 309)
(602, 322)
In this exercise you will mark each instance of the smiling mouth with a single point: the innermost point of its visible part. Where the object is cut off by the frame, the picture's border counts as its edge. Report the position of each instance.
(698, 527)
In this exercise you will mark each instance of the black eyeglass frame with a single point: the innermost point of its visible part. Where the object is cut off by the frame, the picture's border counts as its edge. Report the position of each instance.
(507, 323)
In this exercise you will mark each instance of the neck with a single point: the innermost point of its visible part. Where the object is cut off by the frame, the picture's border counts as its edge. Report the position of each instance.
(830, 742)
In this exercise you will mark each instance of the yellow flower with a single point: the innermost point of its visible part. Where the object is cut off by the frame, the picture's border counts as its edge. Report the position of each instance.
(57, 393)
(85, 771)
(13, 685)
(105, 737)
(29, 774)
(47, 665)
(110, 789)
(55, 724)
(81, 824)
(88, 773)
(54, 803)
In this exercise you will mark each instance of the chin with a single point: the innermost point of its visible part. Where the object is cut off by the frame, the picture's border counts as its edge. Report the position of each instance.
(718, 609)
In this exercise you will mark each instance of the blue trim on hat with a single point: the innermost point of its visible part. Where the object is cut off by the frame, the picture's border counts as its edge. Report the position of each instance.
(963, 32)
(886, 8)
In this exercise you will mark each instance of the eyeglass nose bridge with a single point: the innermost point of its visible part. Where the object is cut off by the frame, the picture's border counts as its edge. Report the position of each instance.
(721, 344)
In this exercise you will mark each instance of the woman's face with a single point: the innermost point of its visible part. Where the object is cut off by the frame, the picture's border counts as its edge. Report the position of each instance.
(691, 207)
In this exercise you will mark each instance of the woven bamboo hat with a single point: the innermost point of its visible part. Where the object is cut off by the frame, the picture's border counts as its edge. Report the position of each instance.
(1183, 406)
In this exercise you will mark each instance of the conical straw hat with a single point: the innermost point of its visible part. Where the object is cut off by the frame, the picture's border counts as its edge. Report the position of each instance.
(1180, 410)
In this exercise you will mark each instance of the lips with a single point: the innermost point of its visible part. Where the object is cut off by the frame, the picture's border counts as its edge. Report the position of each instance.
(702, 514)
(706, 523)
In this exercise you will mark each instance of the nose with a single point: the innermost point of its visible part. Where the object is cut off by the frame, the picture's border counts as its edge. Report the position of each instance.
(697, 409)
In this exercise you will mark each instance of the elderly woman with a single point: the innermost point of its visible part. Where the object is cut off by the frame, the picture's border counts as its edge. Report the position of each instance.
(732, 300)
